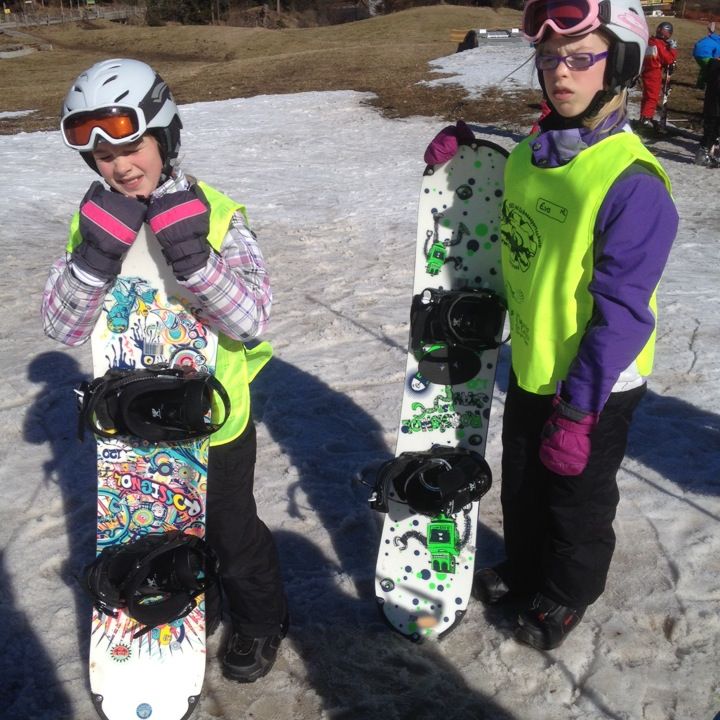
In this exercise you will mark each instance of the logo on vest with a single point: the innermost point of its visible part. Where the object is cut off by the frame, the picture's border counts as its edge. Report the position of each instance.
(552, 210)
(519, 235)
(519, 328)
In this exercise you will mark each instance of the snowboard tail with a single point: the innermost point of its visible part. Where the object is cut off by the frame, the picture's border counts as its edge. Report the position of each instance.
(145, 710)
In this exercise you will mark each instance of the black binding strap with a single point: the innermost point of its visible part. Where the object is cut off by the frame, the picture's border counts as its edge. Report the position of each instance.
(439, 480)
(155, 579)
(471, 318)
(158, 404)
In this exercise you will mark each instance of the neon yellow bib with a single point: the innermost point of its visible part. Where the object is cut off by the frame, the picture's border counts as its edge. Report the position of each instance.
(547, 231)
(235, 365)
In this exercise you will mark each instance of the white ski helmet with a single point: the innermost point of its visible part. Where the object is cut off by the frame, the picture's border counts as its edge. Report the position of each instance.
(119, 100)
(622, 20)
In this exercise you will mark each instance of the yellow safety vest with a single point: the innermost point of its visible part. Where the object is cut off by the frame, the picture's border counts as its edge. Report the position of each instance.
(235, 365)
(547, 228)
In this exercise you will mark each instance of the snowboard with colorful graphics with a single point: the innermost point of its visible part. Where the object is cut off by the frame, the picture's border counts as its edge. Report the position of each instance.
(425, 564)
(143, 488)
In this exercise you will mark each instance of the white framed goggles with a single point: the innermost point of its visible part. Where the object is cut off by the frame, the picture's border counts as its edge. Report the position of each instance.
(116, 124)
(565, 17)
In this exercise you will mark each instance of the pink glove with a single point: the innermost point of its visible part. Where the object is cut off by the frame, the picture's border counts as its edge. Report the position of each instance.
(565, 440)
(445, 144)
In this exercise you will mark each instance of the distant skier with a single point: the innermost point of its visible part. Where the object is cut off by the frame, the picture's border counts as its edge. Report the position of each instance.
(711, 117)
(545, 110)
(659, 61)
(704, 51)
(581, 301)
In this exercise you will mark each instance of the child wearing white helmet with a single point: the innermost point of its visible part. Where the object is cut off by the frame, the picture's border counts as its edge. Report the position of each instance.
(582, 309)
(121, 116)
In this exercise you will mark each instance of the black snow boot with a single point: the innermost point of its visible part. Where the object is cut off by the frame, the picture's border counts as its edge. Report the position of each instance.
(489, 587)
(247, 659)
(704, 157)
(546, 624)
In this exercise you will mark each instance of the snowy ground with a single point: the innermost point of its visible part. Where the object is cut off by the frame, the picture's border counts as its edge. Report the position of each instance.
(332, 195)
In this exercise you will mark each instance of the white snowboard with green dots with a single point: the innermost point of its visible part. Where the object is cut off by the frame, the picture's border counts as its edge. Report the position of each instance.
(425, 565)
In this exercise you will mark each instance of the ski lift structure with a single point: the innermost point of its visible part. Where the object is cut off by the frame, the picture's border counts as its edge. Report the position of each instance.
(470, 39)
(656, 8)
(499, 34)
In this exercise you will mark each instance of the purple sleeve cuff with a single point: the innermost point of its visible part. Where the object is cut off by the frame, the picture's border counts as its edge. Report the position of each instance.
(634, 231)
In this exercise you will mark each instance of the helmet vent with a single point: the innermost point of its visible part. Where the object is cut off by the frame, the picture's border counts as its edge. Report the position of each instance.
(122, 95)
(110, 79)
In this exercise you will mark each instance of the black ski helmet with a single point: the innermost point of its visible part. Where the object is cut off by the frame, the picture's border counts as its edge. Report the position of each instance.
(129, 83)
(664, 30)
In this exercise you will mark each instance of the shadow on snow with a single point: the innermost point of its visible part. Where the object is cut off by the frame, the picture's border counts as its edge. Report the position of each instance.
(52, 419)
(359, 667)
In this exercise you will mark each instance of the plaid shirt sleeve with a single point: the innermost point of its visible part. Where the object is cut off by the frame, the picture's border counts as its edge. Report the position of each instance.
(234, 287)
(70, 307)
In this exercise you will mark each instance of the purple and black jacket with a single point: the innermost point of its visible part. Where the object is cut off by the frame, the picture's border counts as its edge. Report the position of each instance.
(634, 230)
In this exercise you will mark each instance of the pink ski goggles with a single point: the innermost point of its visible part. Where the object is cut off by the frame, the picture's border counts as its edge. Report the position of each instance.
(565, 17)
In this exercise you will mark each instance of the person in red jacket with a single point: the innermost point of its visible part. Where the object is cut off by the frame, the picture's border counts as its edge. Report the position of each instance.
(660, 56)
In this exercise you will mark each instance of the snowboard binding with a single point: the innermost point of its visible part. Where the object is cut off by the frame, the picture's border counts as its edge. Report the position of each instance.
(155, 579)
(157, 404)
(439, 481)
(450, 328)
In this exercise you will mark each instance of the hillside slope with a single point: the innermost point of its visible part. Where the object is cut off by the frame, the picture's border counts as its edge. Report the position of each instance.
(385, 55)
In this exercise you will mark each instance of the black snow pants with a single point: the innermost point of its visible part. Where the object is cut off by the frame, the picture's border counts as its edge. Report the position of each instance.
(559, 538)
(249, 566)
(711, 105)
